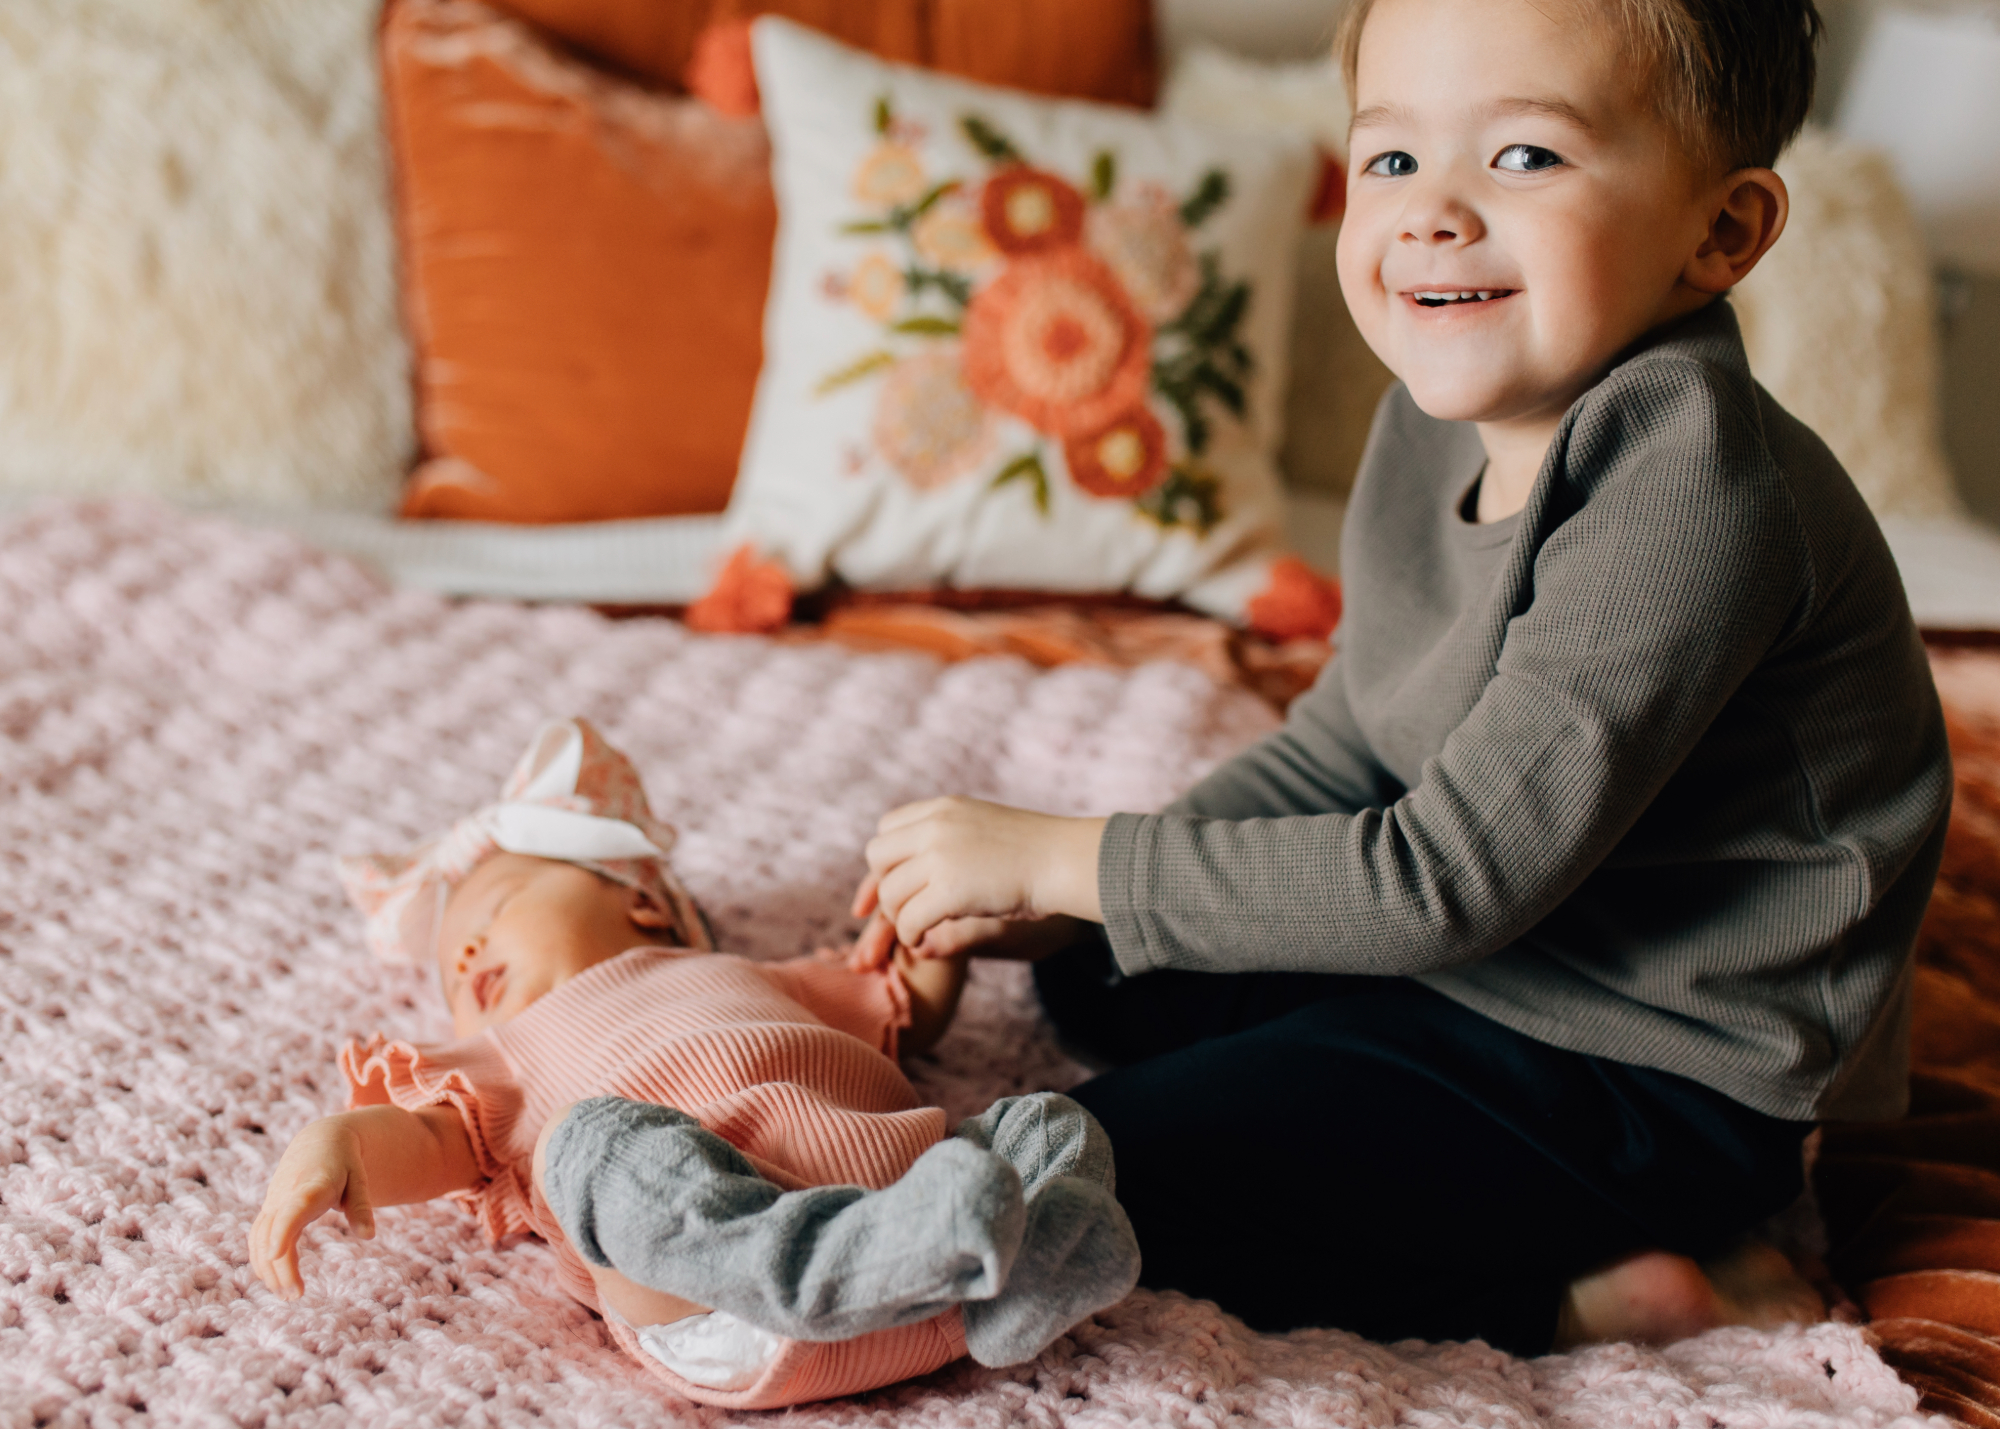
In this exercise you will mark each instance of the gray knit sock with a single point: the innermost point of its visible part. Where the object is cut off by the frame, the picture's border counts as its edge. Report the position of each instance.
(1078, 1253)
(647, 1190)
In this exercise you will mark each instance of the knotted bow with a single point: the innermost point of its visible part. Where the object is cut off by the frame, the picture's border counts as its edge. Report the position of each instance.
(572, 797)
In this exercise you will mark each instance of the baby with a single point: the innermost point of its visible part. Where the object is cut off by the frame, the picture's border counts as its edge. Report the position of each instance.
(724, 1154)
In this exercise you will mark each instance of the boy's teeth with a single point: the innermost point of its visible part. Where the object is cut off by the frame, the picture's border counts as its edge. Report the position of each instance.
(1479, 296)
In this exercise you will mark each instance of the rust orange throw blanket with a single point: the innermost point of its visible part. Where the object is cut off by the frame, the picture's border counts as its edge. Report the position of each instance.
(1913, 1207)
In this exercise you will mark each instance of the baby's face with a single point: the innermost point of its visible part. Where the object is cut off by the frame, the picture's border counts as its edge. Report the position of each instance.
(520, 926)
(1503, 150)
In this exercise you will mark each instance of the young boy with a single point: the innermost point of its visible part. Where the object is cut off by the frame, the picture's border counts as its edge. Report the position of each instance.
(1511, 974)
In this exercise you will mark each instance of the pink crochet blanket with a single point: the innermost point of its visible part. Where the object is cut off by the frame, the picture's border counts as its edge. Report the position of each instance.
(193, 718)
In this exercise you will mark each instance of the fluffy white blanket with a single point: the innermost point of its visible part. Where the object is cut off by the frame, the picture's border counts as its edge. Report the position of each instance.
(193, 718)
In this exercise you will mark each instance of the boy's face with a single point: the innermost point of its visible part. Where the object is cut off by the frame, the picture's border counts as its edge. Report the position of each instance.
(1505, 151)
(520, 926)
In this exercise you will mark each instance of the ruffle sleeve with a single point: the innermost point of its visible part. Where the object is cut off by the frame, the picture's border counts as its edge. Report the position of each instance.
(473, 1079)
(873, 1006)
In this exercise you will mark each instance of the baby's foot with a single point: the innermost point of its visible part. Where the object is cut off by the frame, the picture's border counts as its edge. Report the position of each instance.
(1655, 1298)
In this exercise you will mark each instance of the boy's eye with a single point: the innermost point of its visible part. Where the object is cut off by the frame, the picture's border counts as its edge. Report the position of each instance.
(1393, 165)
(1526, 159)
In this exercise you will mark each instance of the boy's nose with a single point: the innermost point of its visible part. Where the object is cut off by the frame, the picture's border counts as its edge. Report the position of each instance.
(1438, 217)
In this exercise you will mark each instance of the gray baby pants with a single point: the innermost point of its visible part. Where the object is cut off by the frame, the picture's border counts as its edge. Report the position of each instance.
(1012, 1217)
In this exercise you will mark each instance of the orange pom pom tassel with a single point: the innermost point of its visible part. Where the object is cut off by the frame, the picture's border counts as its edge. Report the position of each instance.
(750, 597)
(1298, 603)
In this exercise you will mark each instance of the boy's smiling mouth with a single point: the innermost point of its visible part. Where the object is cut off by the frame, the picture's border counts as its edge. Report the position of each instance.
(1452, 297)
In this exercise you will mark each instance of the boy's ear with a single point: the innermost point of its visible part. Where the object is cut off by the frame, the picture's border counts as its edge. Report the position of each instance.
(1750, 206)
(641, 908)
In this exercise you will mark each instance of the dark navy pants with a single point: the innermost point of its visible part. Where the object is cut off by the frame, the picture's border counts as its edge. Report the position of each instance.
(1365, 1153)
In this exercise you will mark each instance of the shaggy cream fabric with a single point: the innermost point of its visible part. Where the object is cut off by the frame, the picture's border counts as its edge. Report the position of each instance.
(1840, 322)
(197, 277)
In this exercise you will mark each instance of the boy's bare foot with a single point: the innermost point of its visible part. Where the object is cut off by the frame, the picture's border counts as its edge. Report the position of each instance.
(1655, 1298)
(1756, 1284)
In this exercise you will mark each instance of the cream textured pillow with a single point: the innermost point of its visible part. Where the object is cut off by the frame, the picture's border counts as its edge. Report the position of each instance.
(197, 276)
(1840, 323)
(1014, 342)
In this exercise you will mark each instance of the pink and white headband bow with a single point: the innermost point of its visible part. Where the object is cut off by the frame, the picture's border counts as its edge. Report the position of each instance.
(571, 797)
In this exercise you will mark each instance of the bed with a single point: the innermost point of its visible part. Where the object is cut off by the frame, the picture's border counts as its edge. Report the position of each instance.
(196, 715)
(208, 690)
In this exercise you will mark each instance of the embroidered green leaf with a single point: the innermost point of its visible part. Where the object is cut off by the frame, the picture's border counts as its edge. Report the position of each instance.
(1203, 356)
(1209, 195)
(1027, 467)
(952, 285)
(1190, 496)
(884, 115)
(924, 325)
(1226, 389)
(1201, 306)
(1174, 379)
(1219, 329)
(923, 205)
(854, 371)
(990, 141)
(865, 225)
(901, 217)
(1103, 175)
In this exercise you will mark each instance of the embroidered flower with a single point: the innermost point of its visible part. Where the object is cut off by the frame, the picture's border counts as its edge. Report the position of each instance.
(1126, 459)
(875, 286)
(1054, 340)
(891, 174)
(1145, 242)
(1029, 211)
(951, 236)
(927, 425)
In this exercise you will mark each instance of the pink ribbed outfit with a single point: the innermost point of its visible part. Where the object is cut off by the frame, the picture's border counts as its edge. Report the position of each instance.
(791, 1062)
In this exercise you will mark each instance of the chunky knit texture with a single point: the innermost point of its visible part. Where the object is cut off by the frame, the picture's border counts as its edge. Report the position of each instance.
(193, 718)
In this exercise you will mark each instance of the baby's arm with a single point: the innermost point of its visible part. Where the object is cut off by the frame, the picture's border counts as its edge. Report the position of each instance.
(934, 985)
(358, 1160)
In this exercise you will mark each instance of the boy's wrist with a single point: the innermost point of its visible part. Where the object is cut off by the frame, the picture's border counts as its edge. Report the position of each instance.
(1067, 882)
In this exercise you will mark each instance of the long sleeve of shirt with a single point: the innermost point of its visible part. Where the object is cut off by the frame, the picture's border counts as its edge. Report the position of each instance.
(1655, 771)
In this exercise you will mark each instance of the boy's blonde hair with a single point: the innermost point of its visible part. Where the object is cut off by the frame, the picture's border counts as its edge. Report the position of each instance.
(1732, 78)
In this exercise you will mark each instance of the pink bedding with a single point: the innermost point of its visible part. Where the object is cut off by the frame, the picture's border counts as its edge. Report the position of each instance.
(194, 718)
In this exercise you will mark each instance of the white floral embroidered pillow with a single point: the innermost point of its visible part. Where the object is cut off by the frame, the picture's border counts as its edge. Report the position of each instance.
(1013, 342)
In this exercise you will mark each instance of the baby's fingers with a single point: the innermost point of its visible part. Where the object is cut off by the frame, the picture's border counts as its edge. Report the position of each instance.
(873, 949)
(274, 1248)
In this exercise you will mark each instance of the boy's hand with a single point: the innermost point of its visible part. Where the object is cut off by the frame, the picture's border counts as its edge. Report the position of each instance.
(949, 859)
(321, 1169)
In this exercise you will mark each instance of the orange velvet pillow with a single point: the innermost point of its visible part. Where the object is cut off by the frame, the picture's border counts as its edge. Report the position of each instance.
(585, 264)
(1087, 49)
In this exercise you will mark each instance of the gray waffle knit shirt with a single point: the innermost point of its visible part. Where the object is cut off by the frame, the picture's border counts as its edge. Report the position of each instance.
(1653, 771)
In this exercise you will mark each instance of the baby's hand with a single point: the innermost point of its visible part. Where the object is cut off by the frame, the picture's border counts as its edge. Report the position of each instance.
(876, 947)
(949, 859)
(321, 1169)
